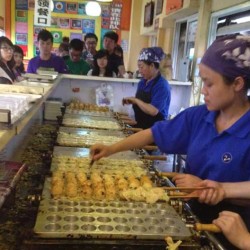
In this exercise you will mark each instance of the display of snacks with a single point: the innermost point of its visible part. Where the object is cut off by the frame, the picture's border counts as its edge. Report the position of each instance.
(90, 122)
(78, 105)
(110, 166)
(88, 139)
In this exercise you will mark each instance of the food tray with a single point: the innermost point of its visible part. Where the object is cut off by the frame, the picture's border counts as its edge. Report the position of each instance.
(88, 112)
(86, 137)
(98, 219)
(96, 122)
(77, 159)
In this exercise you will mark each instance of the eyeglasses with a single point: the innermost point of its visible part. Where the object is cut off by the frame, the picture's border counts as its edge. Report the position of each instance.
(7, 49)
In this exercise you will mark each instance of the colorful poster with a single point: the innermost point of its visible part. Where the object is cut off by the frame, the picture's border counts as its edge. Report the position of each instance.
(31, 4)
(82, 8)
(54, 22)
(59, 7)
(21, 27)
(88, 26)
(75, 36)
(76, 24)
(22, 4)
(64, 23)
(105, 22)
(57, 36)
(115, 16)
(42, 13)
(71, 8)
(21, 16)
(25, 49)
(21, 38)
(105, 10)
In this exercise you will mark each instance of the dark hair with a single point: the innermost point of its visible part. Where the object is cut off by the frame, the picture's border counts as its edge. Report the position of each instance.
(65, 39)
(11, 63)
(119, 49)
(45, 35)
(19, 50)
(90, 35)
(112, 35)
(228, 81)
(96, 70)
(156, 64)
(76, 44)
(63, 47)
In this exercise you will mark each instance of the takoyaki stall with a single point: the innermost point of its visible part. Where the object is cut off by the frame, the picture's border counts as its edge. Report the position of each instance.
(53, 196)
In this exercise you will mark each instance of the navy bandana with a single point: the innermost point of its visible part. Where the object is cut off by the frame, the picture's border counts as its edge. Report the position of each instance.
(229, 56)
(152, 54)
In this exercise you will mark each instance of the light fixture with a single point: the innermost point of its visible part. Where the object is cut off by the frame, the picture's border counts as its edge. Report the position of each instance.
(51, 5)
(93, 9)
(104, 1)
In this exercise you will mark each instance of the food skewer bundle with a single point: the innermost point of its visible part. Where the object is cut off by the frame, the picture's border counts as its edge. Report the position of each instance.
(76, 185)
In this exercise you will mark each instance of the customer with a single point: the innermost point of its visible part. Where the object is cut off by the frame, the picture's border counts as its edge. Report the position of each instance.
(46, 60)
(7, 62)
(116, 63)
(100, 66)
(90, 40)
(152, 99)
(18, 68)
(63, 51)
(76, 65)
(230, 223)
(215, 136)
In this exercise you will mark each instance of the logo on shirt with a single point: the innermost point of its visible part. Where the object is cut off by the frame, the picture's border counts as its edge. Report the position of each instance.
(227, 157)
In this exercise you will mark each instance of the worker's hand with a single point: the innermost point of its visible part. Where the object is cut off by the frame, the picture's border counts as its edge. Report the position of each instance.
(234, 229)
(185, 180)
(97, 151)
(129, 100)
(213, 195)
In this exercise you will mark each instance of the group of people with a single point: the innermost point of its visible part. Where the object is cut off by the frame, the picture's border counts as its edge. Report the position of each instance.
(215, 137)
(74, 57)
(11, 61)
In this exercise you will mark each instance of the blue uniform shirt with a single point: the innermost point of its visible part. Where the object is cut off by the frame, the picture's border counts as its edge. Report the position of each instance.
(160, 94)
(223, 157)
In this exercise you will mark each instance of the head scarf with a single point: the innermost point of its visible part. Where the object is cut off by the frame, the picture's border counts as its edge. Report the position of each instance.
(152, 54)
(229, 56)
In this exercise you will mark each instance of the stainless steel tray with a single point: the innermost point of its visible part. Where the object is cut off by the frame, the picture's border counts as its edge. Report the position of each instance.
(89, 113)
(107, 220)
(68, 136)
(77, 159)
(90, 122)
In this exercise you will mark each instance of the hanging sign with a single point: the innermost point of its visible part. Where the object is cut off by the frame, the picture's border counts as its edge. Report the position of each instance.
(43, 12)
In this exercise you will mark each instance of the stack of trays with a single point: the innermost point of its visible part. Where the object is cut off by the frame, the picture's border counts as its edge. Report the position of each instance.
(52, 109)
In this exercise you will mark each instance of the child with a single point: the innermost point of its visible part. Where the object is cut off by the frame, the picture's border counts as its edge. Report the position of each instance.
(100, 65)
(18, 68)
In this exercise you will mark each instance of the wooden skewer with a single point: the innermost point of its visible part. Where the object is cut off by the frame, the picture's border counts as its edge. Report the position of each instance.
(183, 196)
(150, 147)
(155, 157)
(185, 188)
(207, 227)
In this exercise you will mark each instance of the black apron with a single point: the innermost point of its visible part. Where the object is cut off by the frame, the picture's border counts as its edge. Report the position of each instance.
(144, 120)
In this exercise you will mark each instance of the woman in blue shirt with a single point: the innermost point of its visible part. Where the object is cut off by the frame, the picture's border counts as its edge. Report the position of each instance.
(215, 136)
(152, 99)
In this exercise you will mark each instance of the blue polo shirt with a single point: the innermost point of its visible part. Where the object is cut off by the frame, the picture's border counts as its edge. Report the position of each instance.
(223, 157)
(160, 94)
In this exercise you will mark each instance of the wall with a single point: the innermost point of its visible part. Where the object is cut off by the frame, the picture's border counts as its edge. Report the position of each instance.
(224, 4)
(26, 28)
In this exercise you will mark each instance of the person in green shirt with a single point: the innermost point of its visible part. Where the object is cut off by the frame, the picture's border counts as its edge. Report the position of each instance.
(76, 65)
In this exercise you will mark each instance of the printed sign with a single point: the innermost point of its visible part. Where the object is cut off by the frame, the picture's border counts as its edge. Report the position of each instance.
(115, 16)
(42, 13)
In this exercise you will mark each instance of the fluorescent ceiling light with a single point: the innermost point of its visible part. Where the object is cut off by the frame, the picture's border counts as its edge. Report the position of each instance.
(93, 9)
